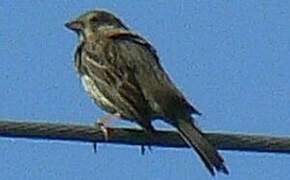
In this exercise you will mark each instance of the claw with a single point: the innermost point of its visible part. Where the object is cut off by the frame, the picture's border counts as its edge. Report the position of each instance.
(101, 124)
(150, 149)
(102, 127)
(95, 147)
(143, 149)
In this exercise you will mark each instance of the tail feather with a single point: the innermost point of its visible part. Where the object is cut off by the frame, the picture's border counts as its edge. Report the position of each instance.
(208, 154)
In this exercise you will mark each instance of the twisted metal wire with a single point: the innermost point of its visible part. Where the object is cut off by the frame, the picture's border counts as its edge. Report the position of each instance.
(129, 136)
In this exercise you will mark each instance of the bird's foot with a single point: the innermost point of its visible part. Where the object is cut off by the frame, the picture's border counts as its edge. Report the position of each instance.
(143, 149)
(101, 124)
(103, 128)
(95, 147)
(150, 135)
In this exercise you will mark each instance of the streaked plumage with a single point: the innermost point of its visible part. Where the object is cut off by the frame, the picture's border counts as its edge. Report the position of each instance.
(121, 72)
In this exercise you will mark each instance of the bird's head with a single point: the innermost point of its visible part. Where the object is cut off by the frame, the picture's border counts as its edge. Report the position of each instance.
(90, 22)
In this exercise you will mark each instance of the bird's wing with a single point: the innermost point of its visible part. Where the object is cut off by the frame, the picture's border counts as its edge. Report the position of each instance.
(153, 80)
(157, 87)
(114, 74)
(125, 35)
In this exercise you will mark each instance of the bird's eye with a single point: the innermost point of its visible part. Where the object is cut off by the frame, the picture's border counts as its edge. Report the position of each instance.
(94, 19)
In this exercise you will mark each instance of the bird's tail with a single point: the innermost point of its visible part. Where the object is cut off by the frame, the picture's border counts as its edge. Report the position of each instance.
(195, 138)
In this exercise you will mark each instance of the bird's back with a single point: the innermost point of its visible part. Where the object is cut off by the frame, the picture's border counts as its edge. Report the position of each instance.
(162, 95)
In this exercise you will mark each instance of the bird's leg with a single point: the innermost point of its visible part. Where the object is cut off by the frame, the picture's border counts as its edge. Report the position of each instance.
(101, 124)
(143, 149)
(143, 146)
(149, 131)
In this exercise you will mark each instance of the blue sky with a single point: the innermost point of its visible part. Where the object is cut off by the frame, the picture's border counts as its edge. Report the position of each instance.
(230, 58)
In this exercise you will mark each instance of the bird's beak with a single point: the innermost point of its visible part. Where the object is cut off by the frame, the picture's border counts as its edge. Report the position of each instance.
(74, 25)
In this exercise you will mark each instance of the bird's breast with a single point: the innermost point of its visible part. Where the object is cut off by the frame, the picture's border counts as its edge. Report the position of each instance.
(94, 92)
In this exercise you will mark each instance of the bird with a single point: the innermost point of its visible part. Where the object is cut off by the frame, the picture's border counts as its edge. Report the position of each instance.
(122, 73)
